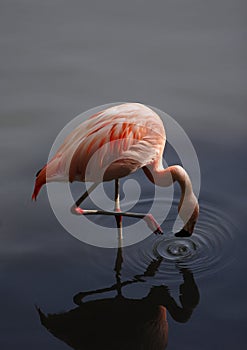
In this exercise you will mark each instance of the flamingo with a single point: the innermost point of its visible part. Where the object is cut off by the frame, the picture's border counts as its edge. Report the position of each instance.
(112, 144)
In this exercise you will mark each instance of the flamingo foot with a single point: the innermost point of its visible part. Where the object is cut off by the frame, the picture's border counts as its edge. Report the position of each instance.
(152, 224)
(76, 210)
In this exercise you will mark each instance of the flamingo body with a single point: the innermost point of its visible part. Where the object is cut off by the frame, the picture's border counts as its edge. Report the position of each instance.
(114, 143)
(120, 139)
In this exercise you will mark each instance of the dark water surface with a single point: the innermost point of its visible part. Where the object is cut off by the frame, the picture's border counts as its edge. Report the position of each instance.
(60, 58)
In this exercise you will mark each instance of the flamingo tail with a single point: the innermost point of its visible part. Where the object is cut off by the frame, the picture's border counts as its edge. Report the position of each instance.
(40, 181)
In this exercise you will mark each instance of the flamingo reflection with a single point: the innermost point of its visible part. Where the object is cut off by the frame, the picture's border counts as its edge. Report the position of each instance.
(120, 322)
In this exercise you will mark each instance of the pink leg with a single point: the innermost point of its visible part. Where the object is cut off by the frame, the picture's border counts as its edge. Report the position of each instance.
(152, 224)
(148, 218)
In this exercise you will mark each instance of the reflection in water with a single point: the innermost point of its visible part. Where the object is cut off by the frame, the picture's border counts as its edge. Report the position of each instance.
(124, 323)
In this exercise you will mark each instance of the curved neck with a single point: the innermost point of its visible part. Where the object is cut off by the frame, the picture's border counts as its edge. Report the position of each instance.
(165, 177)
(188, 206)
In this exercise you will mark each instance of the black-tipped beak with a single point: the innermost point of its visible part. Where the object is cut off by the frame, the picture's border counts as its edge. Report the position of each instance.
(183, 233)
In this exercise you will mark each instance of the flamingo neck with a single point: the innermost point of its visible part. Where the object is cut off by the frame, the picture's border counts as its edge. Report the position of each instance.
(165, 177)
(188, 206)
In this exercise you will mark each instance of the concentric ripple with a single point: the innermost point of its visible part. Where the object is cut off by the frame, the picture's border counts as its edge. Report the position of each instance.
(209, 249)
(176, 249)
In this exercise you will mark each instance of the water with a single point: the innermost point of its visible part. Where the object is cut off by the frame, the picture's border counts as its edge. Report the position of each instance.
(212, 248)
(60, 59)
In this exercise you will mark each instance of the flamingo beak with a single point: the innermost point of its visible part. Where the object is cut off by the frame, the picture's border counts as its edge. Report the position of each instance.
(183, 233)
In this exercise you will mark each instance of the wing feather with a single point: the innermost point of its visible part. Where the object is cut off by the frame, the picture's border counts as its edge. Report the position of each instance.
(129, 136)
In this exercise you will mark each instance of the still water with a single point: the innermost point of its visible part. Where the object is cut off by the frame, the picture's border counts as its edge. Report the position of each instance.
(60, 59)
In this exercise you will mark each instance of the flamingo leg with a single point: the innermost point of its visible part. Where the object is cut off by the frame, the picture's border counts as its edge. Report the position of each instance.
(75, 208)
(117, 208)
(148, 218)
(117, 196)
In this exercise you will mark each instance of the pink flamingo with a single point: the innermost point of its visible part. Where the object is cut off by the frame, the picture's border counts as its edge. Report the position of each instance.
(113, 144)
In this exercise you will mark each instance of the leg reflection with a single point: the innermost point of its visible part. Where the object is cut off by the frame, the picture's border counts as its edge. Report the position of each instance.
(118, 322)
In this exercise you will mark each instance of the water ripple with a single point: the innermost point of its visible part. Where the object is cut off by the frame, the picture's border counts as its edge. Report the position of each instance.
(210, 248)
